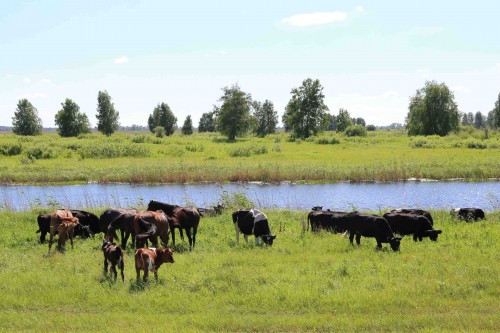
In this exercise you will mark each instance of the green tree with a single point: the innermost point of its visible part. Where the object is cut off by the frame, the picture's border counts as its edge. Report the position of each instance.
(343, 120)
(234, 115)
(164, 117)
(478, 120)
(70, 121)
(266, 118)
(187, 128)
(107, 116)
(490, 120)
(208, 121)
(432, 111)
(26, 120)
(306, 110)
(465, 119)
(496, 112)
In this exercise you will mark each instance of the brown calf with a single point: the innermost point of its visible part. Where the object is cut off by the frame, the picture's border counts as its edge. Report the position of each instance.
(150, 259)
(56, 218)
(66, 229)
(113, 255)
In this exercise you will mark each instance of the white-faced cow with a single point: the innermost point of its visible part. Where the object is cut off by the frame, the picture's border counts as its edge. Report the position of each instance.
(252, 222)
(150, 259)
(412, 224)
(368, 225)
(468, 214)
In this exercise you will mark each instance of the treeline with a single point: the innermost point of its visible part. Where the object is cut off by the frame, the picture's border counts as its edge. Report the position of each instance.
(432, 111)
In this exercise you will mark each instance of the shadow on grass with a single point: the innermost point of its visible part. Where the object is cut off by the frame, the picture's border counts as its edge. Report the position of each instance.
(141, 286)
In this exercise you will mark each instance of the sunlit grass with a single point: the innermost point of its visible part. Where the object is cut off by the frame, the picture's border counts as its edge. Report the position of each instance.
(304, 282)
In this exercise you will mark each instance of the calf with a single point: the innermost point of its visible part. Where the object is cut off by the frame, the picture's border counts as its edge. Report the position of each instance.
(368, 225)
(410, 224)
(252, 222)
(414, 211)
(56, 219)
(113, 255)
(150, 259)
(468, 214)
(66, 229)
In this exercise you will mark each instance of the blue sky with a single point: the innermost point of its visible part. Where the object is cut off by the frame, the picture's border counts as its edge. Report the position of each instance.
(370, 56)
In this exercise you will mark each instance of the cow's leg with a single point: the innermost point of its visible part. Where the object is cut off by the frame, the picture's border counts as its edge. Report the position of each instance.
(114, 272)
(246, 238)
(138, 272)
(358, 239)
(195, 230)
(43, 234)
(257, 241)
(105, 266)
(51, 236)
(182, 233)
(237, 229)
(71, 238)
(415, 237)
(351, 238)
(155, 270)
(379, 244)
(190, 238)
(125, 239)
(121, 265)
(172, 231)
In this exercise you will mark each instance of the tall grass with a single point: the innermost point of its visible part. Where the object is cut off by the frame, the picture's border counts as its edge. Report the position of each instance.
(331, 157)
(304, 282)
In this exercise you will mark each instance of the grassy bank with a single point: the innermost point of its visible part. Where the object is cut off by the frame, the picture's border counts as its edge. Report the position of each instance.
(143, 158)
(304, 282)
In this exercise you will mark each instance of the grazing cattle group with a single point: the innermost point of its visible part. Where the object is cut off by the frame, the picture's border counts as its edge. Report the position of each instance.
(161, 219)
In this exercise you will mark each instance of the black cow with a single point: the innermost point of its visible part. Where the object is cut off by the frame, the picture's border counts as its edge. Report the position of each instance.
(468, 214)
(326, 220)
(415, 211)
(412, 224)
(187, 218)
(89, 224)
(252, 222)
(368, 225)
(122, 219)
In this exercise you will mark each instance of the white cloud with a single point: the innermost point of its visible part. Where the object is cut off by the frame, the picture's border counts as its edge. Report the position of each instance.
(461, 89)
(121, 60)
(425, 31)
(46, 81)
(318, 18)
(27, 80)
(360, 9)
(32, 96)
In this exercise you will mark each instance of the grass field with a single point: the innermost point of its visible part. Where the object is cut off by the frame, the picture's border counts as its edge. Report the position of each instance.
(143, 158)
(304, 282)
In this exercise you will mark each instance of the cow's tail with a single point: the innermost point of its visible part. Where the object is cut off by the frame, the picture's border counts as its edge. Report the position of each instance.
(308, 222)
(121, 264)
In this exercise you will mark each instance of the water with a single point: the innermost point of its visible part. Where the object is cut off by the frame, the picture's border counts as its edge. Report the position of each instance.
(340, 196)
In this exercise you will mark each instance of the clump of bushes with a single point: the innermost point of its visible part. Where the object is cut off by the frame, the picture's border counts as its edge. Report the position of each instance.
(355, 130)
(475, 144)
(10, 149)
(195, 148)
(246, 151)
(42, 152)
(140, 138)
(421, 143)
(113, 150)
(326, 141)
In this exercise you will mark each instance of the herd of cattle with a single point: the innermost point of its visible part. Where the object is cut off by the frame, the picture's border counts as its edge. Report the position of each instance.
(161, 219)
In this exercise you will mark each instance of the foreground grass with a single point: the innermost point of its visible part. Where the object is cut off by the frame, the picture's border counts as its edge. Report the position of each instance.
(142, 158)
(304, 282)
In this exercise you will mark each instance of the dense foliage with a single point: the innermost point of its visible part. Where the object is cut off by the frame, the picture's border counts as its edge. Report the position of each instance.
(266, 118)
(432, 110)
(187, 127)
(164, 117)
(70, 121)
(107, 116)
(26, 120)
(305, 112)
(342, 120)
(208, 121)
(234, 114)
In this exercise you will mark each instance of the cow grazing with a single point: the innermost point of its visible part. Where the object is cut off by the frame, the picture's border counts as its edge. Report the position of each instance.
(414, 211)
(368, 225)
(66, 230)
(89, 223)
(412, 224)
(468, 214)
(122, 219)
(113, 256)
(252, 222)
(325, 220)
(183, 218)
(43, 221)
(150, 225)
(150, 259)
(56, 218)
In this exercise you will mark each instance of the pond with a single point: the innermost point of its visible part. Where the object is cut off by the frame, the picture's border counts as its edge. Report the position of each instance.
(338, 196)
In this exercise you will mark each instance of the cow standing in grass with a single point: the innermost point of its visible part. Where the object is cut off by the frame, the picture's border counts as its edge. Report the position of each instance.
(412, 224)
(58, 217)
(368, 225)
(252, 222)
(113, 256)
(66, 230)
(150, 259)
(468, 214)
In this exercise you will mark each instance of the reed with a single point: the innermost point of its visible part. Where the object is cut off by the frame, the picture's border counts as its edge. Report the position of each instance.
(304, 282)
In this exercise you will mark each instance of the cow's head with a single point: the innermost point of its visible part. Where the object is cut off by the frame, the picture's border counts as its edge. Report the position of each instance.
(165, 255)
(317, 208)
(433, 234)
(268, 239)
(395, 242)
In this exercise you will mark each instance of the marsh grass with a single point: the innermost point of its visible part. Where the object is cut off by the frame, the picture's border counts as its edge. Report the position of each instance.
(202, 157)
(304, 282)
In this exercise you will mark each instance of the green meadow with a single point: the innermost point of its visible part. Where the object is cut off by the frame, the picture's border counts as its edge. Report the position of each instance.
(304, 282)
(143, 158)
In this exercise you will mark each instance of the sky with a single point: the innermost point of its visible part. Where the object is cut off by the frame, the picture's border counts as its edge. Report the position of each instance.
(369, 56)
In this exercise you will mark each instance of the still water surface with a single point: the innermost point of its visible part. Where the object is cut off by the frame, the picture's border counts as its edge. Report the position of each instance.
(340, 196)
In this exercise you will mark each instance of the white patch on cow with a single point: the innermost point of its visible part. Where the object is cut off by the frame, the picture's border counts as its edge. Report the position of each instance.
(258, 215)
(109, 262)
(149, 264)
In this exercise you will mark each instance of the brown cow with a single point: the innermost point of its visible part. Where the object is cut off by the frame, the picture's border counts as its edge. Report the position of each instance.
(150, 225)
(113, 255)
(56, 218)
(150, 259)
(66, 229)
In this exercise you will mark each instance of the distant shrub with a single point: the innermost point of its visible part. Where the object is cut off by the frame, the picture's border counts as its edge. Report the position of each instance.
(355, 130)
(10, 149)
(475, 144)
(277, 139)
(326, 141)
(140, 138)
(246, 151)
(40, 152)
(175, 151)
(195, 148)
(276, 148)
(421, 143)
(113, 150)
(159, 131)
(371, 128)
